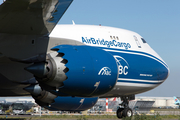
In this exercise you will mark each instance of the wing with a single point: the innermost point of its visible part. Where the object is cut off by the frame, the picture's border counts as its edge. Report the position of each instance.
(34, 17)
(24, 29)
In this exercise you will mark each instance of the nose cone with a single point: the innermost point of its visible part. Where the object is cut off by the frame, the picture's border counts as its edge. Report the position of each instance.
(164, 72)
(34, 89)
(168, 72)
(38, 69)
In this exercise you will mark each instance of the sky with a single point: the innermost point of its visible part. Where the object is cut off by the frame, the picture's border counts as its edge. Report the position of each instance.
(158, 21)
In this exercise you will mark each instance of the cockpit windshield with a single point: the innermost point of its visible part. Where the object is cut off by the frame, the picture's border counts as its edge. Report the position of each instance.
(143, 40)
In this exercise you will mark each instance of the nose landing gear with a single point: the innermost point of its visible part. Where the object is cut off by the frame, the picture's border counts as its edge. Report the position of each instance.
(125, 111)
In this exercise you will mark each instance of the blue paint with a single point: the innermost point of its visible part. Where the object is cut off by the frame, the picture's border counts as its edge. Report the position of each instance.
(106, 42)
(131, 66)
(138, 52)
(88, 74)
(142, 67)
(72, 103)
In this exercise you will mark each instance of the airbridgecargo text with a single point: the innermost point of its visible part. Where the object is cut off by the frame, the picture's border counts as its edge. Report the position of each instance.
(106, 43)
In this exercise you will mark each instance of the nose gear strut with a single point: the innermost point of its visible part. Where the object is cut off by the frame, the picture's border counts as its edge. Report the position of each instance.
(124, 110)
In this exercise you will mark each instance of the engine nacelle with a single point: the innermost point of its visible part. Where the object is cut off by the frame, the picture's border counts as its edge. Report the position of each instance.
(83, 71)
(72, 104)
(56, 103)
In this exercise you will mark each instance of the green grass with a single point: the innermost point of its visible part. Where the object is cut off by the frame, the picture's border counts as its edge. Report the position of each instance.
(65, 117)
(156, 116)
(166, 109)
(79, 117)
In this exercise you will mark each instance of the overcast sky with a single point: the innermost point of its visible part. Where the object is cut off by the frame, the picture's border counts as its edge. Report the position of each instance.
(158, 21)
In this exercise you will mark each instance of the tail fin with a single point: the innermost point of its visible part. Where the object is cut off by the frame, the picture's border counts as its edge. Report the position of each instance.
(114, 99)
(177, 102)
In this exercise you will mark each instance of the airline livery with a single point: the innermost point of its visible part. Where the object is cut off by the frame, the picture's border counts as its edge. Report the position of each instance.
(177, 102)
(69, 67)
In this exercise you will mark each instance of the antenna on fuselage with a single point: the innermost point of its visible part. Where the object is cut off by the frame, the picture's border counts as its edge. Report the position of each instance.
(73, 22)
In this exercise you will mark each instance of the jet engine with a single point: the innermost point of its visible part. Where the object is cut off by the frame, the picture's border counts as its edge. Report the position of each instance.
(72, 104)
(82, 71)
(56, 103)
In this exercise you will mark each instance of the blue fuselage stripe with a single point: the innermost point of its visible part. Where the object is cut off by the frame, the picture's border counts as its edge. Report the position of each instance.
(138, 67)
(136, 52)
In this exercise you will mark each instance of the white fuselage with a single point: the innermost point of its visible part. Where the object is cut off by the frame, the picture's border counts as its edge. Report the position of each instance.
(139, 65)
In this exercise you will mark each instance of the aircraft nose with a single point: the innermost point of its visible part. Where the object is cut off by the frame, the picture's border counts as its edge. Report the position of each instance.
(168, 71)
(162, 71)
(165, 73)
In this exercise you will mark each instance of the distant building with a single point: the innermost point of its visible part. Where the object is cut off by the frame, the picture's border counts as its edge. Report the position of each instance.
(160, 102)
(16, 99)
(139, 104)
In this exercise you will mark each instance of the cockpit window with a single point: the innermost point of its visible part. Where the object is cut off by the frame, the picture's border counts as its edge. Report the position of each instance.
(143, 40)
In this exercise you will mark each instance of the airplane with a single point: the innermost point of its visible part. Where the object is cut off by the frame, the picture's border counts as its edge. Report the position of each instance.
(177, 102)
(69, 67)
